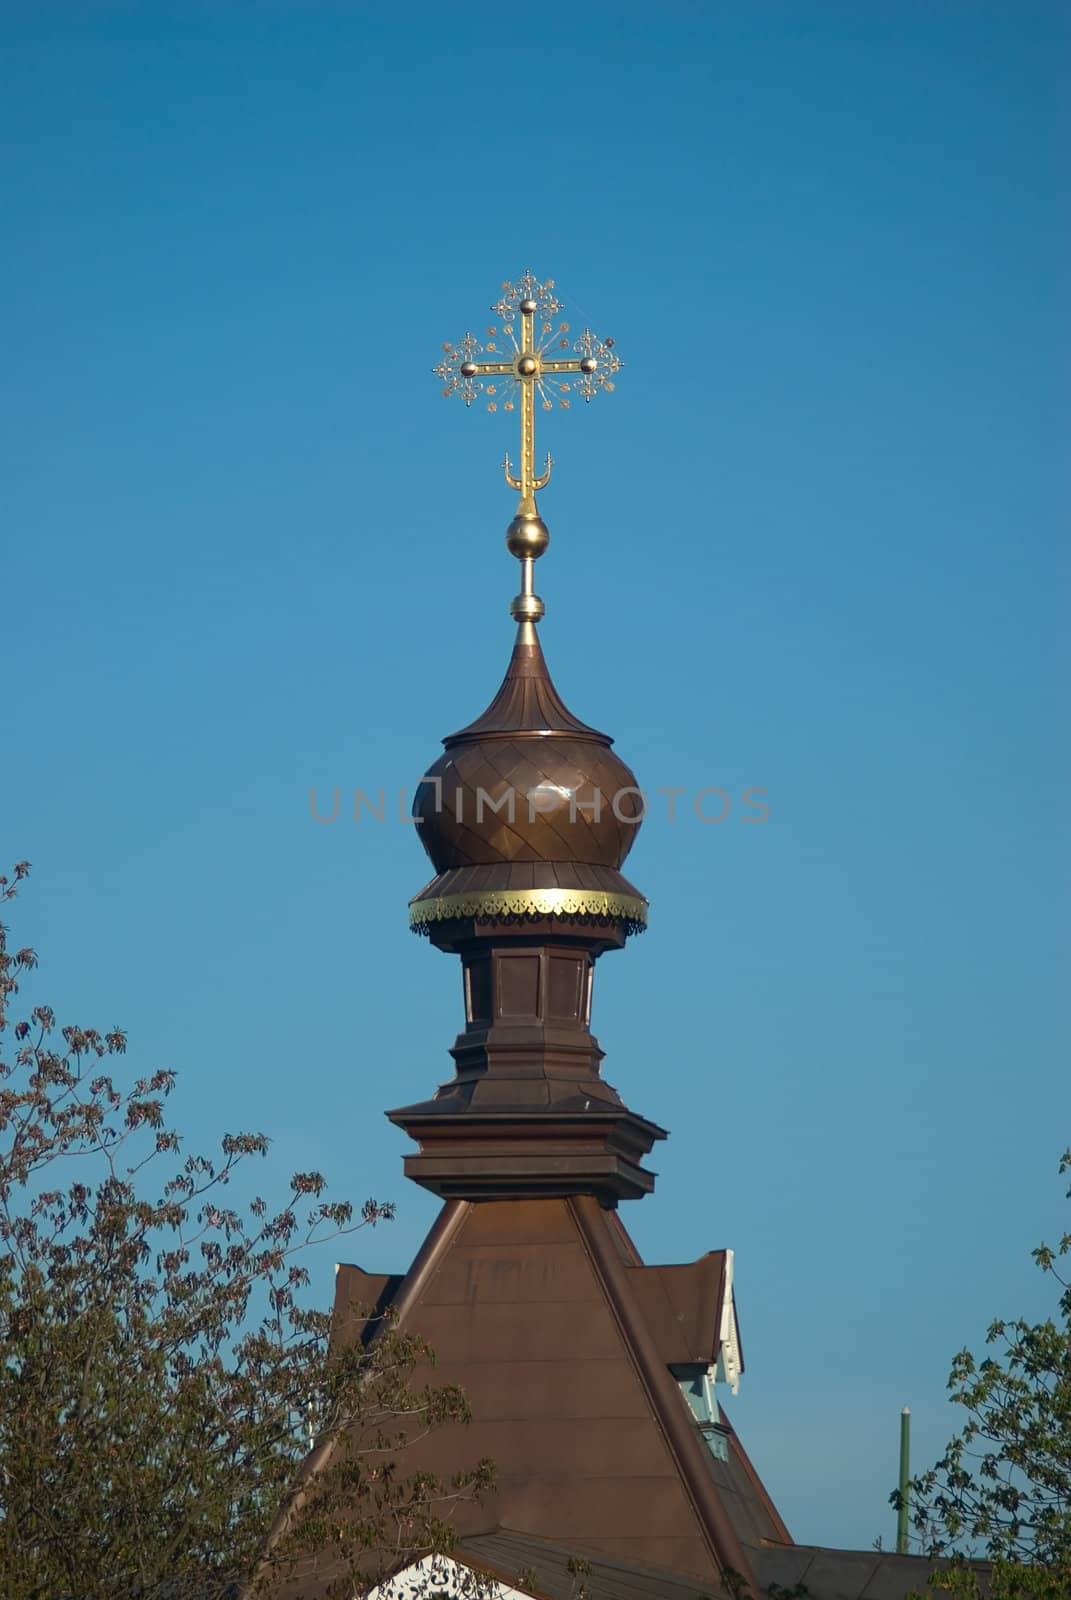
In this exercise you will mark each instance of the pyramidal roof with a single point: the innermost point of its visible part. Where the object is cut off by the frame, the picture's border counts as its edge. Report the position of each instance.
(569, 1349)
(563, 1342)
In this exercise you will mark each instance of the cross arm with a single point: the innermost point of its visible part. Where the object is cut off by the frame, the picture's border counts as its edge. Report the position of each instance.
(487, 369)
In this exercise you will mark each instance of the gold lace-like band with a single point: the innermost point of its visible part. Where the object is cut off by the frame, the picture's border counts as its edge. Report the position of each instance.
(495, 903)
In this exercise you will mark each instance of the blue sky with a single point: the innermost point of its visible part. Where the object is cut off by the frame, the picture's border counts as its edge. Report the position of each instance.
(810, 544)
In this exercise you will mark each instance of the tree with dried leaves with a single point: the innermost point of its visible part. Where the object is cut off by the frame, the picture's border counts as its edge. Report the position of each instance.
(1003, 1486)
(159, 1373)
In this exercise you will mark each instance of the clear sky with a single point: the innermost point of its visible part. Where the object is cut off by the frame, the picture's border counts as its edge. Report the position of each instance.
(811, 544)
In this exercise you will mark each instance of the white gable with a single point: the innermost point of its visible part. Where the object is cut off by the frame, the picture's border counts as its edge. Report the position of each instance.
(440, 1578)
(729, 1362)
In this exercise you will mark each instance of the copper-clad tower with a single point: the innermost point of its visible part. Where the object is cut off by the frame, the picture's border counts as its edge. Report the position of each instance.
(527, 817)
(595, 1382)
(528, 1289)
(591, 1377)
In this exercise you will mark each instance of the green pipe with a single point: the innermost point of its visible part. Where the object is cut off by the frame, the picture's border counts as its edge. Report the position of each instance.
(905, 1480)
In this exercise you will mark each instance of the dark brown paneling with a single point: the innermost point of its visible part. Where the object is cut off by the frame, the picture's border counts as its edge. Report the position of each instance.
(565, 987)
(518, 985)
(682, 1307)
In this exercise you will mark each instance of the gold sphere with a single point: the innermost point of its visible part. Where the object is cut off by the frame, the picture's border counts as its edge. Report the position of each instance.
(527, 535)
(526, 608)
(527, 366)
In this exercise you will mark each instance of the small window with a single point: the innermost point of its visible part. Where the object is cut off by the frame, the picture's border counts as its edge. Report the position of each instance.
(697, 1386)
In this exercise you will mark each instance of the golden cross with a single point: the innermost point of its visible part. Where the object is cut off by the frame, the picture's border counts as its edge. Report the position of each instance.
(532, 365)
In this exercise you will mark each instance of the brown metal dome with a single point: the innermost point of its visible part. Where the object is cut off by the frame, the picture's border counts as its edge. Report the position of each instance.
(528, 811)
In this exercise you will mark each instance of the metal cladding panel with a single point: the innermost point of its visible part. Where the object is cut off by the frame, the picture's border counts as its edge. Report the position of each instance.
(518, 1316)
(682, 1306)
(581, 1389)
(762, 1515)
(558, 1332)
(853, 1574)
(613, 1576)
(642, 1503)
(530, 1307)
(547, 1274)
(360, 1298)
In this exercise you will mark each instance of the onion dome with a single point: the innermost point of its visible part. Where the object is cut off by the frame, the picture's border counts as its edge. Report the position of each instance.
(529, 812)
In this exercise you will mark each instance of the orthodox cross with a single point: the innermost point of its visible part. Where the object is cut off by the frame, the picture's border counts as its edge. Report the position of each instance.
(535, 362)
(545, 361)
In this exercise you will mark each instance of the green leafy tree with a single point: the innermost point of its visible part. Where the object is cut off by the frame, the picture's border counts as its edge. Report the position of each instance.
(1003, 1486)
(159, 1376)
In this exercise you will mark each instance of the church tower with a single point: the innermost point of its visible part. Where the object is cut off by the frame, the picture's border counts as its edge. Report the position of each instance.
(592, 1379)
(595, 1382)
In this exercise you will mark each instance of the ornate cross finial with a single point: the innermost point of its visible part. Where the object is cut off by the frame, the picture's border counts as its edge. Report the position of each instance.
(545, 361)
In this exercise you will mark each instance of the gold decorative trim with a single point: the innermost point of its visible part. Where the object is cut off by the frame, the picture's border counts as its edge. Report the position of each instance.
(494, 903)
